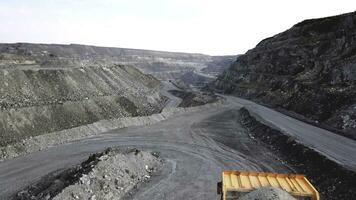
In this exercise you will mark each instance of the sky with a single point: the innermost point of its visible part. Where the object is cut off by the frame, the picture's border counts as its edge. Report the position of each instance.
(219, 27)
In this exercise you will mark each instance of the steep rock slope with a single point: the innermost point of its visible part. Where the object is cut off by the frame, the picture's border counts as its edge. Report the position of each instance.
(41, 100)
(308, 71)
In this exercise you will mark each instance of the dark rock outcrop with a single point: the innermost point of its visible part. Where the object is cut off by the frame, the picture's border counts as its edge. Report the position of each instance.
(308, 71)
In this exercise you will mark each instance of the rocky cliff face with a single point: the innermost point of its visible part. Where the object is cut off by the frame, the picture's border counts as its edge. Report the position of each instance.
(308, 71)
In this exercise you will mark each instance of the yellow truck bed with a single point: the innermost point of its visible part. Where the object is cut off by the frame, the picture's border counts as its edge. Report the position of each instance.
(236, 182)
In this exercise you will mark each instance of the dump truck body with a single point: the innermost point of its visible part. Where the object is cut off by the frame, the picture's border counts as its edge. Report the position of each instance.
(236, 183)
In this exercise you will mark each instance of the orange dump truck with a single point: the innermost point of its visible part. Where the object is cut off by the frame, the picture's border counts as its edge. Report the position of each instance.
(235, 183)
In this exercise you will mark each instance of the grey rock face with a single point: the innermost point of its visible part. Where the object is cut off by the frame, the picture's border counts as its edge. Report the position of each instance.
(308, 71)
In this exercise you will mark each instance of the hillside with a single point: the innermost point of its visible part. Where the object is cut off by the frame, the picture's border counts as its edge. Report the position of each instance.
(308, 71)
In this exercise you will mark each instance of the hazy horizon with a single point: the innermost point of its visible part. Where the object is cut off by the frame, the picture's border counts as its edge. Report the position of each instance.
(224, 27)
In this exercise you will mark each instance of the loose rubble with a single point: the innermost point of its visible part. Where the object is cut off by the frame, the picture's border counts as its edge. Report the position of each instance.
(111, 174)
(267, 193)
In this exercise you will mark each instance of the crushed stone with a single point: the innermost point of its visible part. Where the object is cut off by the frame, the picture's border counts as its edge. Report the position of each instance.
(267, 193)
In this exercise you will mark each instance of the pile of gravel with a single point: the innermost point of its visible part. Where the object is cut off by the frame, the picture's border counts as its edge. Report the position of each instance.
(111, 174)
(267, 193)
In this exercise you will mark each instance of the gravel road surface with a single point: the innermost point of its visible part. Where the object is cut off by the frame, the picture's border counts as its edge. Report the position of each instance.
(197, 147)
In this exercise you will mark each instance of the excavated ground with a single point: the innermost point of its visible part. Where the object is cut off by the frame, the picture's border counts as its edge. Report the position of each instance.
(39, 101)
(190, 99)
(332, 180)
(197, 146)
(110, 174)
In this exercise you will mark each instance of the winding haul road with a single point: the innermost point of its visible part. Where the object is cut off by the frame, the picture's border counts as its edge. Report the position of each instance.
(197, 147)
(336, 147)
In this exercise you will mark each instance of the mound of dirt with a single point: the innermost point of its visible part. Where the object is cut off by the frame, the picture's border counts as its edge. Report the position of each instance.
(111, 174)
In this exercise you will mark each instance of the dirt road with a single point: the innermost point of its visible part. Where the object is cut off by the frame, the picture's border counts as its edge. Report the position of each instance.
(173, 101)
(197, 146)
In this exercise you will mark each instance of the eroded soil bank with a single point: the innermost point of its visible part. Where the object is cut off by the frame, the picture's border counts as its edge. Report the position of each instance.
(39, 101)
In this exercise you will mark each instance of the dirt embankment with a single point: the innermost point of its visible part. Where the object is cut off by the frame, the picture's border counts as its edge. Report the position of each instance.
(332, 180)
(111, 174)
(38, 101)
